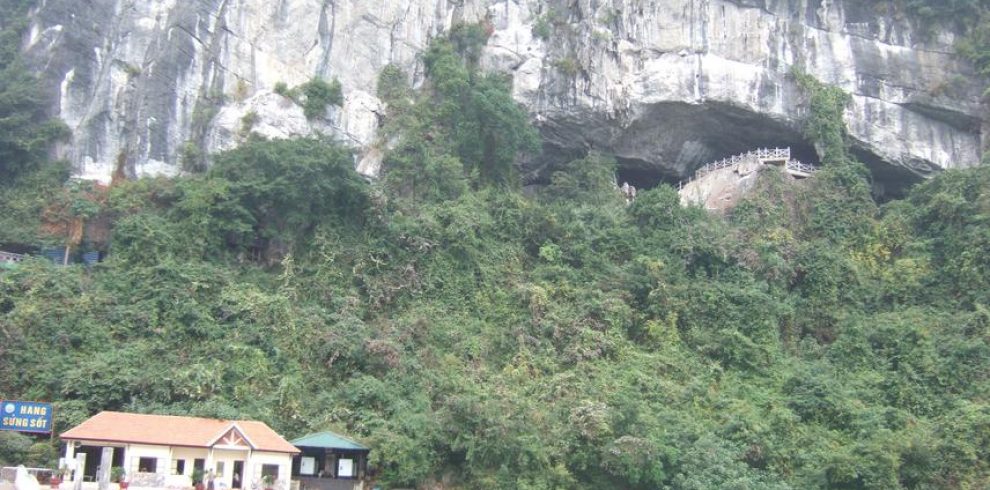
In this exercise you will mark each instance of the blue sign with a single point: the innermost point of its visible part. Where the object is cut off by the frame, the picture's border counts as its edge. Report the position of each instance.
(26, 416)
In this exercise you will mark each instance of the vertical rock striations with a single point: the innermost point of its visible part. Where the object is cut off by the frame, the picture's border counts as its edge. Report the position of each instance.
(664, 85)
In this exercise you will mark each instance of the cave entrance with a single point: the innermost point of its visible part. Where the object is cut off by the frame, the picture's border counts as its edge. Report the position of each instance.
(667, 142)
(888, 182)
(641, 178)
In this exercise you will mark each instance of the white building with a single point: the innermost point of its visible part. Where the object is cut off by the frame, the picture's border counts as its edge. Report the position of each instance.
(160, 451)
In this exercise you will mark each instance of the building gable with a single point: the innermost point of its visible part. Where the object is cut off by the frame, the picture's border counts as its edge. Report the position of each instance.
(232, 438)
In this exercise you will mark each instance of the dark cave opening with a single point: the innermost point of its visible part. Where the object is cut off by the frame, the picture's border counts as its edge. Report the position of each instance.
(666, 142)
(888, 182)
(642, 178)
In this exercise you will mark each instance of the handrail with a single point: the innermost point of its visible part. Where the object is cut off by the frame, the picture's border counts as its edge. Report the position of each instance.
(797, 166)
(759, 154)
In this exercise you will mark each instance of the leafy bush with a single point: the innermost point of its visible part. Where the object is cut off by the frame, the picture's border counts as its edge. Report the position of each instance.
(319, 94)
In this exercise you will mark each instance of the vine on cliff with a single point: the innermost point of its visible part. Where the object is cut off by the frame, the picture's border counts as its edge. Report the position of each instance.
(463, 129)
(824, 124)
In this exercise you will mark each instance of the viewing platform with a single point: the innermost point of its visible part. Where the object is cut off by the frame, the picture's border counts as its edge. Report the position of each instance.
(718, 185)
(761, 156)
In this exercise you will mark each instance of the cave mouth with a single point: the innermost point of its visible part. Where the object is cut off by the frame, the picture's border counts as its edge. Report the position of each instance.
(642, 178)
(889, 182)
(667, 142)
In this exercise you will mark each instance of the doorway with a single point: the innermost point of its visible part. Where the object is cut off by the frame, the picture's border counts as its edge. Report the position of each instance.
(93, 456)
(238, 474)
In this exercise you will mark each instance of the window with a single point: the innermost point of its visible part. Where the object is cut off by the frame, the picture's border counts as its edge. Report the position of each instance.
(269, 470)
(199, 464)
(219, 469)
(307, 465)
(147, 465)
(345, 468)
(180, 467)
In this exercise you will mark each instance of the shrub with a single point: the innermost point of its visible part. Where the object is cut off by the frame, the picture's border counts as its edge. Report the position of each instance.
(319, 95)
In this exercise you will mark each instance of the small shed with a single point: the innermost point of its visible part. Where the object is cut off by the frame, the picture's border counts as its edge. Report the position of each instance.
(329, 461)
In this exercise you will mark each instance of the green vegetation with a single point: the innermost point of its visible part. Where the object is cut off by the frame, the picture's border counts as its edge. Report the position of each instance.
(191, 157)
(569, 66)
(22, 449)
(315, 96)
(464, 131)
(824, 124)
(319, 94)
(542, 27)
(282, 89)
(553, 19)
(494, 340)
(392, 84)
(248, 122)
(970, 17)
(26, 134)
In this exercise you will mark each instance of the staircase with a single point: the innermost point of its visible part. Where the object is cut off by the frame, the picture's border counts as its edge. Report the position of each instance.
(717, 185)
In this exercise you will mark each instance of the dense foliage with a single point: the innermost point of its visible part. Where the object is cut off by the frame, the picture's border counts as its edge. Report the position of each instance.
(26, 134)
(486, 339)
(315, 96)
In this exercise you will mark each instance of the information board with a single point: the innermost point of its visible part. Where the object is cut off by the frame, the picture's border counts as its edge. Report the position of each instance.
(26, 416)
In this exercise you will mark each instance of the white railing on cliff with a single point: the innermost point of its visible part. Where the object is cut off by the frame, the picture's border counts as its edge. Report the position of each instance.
(761, 155)
(795, 166)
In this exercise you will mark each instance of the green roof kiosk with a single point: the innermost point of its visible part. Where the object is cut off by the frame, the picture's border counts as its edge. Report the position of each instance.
(330, 461)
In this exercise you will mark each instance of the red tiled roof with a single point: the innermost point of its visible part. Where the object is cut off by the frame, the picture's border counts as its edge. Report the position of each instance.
(168, 430)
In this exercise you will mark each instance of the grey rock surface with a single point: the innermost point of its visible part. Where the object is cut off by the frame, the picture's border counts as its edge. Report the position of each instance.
(665, 85)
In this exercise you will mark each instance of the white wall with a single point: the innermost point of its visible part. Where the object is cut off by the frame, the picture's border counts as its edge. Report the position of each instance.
(137, 451)
(189, 454)
(166, 457)
(284, 462)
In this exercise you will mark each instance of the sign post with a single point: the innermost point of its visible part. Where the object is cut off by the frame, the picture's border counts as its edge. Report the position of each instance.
(26, 416)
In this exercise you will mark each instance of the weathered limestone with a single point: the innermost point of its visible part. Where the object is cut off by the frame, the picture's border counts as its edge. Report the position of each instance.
(666, 85)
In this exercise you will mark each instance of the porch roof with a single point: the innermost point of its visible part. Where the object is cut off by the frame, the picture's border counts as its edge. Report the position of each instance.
(329, 440)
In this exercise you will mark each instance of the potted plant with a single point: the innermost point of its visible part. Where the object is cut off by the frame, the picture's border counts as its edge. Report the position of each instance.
(197, 479)
(268, 482)
(57, 477)
(117, 475)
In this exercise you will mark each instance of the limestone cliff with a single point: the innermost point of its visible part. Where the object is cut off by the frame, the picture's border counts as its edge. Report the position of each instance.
(665, 85)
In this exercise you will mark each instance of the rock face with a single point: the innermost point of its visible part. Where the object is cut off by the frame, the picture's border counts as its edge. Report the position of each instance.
(666, 86)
